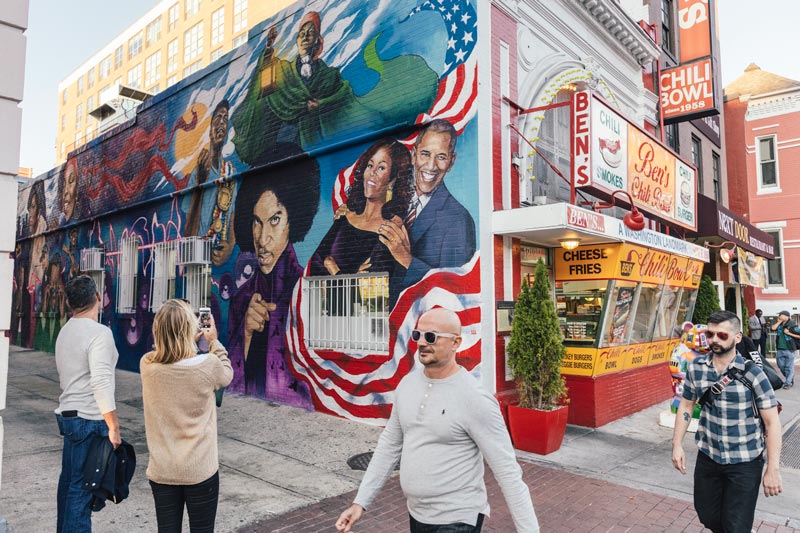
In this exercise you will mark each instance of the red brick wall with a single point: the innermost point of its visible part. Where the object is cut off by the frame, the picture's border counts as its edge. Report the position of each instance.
(594, 402)
(736, 157)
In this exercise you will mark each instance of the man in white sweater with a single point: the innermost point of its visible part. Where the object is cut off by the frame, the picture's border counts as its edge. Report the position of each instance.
(85, 357)
(442, 426)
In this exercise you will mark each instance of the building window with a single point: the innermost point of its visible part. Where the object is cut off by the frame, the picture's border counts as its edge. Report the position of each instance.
(153, 31)
(64, 96)
(172, 80)
(134, 46)
(172, 56)
(89, 105)
(80, 86)
(697, 161)
(775, 266)
(216, 54)
(348, 313)
(106, 94)
(78, 138)
(217, 26)
(118, 57)
(239, 15)
(240, 40)
(88, 133)
(671, 136)
(63, 122)
(667, 18)
(79, 115)
(105, 68)
(193, 43)
(135, 77)
(173, 14)
(191, 8)
(191, 69)
(90, 78)
(163, 280)
(767, 162)
(194, 255)
(126, 274)
(715, 163)
(152, 69)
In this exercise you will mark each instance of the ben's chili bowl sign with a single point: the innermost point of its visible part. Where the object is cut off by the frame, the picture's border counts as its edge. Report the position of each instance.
(623, 156)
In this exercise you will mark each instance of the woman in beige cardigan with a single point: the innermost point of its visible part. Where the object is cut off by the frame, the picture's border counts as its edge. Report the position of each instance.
(180, 417)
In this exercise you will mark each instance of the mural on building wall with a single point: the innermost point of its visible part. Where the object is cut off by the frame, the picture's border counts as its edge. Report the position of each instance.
(331, 163)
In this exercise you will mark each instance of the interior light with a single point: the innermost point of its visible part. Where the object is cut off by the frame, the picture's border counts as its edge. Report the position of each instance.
(570, 244)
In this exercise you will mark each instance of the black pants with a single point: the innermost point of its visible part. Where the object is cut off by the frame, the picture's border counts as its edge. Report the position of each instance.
(762, 344)
(459, 527)
(200, 501)
(725, 495)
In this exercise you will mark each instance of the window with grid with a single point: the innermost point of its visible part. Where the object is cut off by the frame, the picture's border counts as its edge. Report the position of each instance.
(105, 68)
(671, 136)
(191, 8)
(78, 138)
(767, 162)
(152, 69)
(89, 132)
(193, 43)
(172, 55)
(667, 16)
(216, 54)
(163, 274)
(134, 46)
(172, 15)
(348, 312)
(697, 161)
(172, 80)
(240, 40)
(64, 96)
(239, 15)
(106, 94)
(80, 86)
(63, 122)
(126, 274)
(90, 78)
(118, 57)
(775, 266)
(78, 115)
(191, 69)
(194, 255)
(715, 168)
(217, 26)
(135, 77)
(89, 106)
(153, 31)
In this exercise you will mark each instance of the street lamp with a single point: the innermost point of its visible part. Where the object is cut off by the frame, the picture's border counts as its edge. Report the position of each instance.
(634, 220)
(726, 254)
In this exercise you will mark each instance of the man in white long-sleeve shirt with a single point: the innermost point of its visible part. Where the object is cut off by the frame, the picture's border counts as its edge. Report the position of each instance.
(442, 426)
(85, 357)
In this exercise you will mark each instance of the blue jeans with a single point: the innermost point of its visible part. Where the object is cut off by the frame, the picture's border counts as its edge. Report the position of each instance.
(725, 496)
(74, 514)
(785, 360)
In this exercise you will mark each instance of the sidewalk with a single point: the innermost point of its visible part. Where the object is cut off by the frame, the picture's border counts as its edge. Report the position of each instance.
(285, 469)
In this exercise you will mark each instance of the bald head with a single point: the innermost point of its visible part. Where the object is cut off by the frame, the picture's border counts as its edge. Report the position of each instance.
(440, 320)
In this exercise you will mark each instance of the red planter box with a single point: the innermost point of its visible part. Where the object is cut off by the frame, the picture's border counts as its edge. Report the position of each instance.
(537, 431)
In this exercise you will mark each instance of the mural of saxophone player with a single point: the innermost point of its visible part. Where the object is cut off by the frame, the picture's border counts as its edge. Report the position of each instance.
(300, 95)
(275, 208)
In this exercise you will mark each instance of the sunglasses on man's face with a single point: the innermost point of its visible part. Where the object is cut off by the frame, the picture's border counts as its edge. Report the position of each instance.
(721, 335)
(430, 336)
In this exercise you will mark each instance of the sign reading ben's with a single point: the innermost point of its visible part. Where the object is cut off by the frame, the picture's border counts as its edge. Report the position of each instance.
(611, 153)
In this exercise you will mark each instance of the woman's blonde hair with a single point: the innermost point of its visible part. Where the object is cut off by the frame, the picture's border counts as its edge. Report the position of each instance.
(174, 330)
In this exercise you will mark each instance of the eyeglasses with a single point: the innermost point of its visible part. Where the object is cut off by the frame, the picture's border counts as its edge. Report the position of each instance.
(719, 334)
(430, 336)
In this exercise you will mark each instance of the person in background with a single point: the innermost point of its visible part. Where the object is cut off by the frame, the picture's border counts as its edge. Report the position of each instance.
(85, 358)
(180, 417)
(757, 324)
(786, 345)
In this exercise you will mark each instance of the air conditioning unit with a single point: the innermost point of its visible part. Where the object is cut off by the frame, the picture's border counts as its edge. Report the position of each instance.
(195, 251)
(92, 260)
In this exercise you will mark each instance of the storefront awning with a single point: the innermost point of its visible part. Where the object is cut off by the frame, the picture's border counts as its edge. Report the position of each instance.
(547, 225)
(718, 221)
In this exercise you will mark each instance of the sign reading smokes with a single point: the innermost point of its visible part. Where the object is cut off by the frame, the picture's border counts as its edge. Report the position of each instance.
(611, 153)
(688, 91)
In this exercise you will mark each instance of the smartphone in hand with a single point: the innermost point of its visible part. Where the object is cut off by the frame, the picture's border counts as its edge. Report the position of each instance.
(204, 319)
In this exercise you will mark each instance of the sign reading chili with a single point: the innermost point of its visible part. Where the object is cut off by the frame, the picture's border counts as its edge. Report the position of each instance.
(611, 153)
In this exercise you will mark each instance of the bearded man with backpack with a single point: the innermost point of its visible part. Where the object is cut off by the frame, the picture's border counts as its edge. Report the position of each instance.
(734, 394)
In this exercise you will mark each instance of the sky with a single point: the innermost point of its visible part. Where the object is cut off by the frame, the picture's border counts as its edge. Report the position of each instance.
(63, 33)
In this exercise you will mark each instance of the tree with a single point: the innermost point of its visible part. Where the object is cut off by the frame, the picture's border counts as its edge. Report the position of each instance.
(536, 350)
(707, 301)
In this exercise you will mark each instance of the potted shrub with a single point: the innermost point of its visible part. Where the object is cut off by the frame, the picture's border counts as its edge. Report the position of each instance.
(707, 300)
(535, 352)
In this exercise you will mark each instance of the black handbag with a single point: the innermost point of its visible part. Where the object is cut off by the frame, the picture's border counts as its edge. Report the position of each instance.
(775, 379)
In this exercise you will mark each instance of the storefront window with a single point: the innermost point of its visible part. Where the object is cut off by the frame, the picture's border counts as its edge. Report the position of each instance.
(686, 308)
(646, 311)
(579, 305)
(618, 321)
(667, 310)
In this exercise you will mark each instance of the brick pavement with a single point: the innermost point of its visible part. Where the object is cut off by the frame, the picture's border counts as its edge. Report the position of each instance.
(564, 502)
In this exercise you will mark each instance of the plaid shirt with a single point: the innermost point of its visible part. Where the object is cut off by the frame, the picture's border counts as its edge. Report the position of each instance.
(728, 432)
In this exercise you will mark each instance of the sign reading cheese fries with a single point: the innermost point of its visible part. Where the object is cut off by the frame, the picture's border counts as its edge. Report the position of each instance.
(623, 156)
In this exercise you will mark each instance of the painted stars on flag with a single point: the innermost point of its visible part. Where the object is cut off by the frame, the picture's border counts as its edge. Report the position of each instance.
(461, 22)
